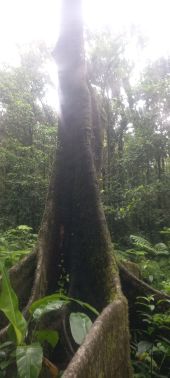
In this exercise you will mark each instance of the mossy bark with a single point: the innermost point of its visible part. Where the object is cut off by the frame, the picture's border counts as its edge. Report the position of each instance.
(86, 244)
(105, 351)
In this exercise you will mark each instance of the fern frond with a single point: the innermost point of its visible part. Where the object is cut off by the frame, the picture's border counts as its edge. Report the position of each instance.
(142, 243)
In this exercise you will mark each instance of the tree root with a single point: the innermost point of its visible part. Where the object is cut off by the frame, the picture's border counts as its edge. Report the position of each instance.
(133, 287)
(105, 351)
(106, 342)
(22, 276)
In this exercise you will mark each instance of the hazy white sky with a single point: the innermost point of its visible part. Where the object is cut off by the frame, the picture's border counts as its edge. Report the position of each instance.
(26, 20)
(22, 21)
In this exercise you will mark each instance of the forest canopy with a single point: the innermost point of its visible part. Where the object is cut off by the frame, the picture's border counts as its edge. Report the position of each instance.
(136, 168)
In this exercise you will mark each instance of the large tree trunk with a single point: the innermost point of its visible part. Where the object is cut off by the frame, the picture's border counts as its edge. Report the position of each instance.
(74, 239)
(86, 244)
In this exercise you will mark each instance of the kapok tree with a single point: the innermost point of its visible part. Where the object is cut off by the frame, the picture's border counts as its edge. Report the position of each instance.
(73, 236)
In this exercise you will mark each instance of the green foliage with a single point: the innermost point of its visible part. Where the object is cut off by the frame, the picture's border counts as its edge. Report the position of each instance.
(54, 302)
(166, 235)
(152, 272)
(142, 244)
(7, 357)
(135, 118)
(27, 139)
(153, 261)
(15, 243)
(151, 350)
(80, 325)
(29, 360)
(136, 174)
(9, 306)
(165, 231)
(48, 335)
(166, 286)
(160, 249)
(29, 357)
(47, 304)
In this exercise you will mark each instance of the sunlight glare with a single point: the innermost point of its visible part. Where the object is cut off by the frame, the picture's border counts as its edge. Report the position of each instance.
(24, 21)
(151, 16)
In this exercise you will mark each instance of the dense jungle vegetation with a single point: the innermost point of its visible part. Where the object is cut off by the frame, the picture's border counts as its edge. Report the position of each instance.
(135, 179)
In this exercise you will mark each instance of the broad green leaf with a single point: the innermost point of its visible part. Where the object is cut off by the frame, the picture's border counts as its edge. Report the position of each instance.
(53, 302)
(9, 306)
(29, 360)
(144, 346)
(44, 309)
(49, 299)
(48, 335)
(11, 334)
(80, 324)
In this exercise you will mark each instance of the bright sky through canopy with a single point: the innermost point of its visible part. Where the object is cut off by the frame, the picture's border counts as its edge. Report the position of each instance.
(25, 20)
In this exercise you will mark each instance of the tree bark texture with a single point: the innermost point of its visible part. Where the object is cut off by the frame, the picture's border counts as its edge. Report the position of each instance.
(105, 351)
(74, 238)
(86, 244)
